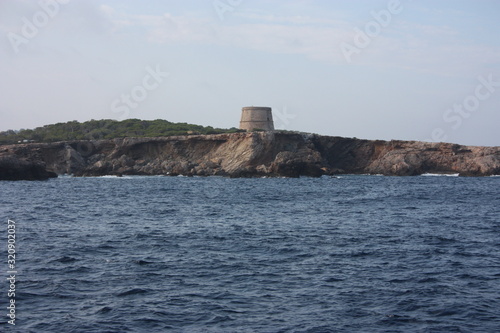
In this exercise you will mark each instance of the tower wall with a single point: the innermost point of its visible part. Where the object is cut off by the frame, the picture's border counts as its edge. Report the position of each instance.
(256, 117)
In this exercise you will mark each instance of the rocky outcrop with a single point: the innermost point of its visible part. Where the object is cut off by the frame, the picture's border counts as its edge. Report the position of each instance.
(408, 158)
(13, 168)
(247, 155)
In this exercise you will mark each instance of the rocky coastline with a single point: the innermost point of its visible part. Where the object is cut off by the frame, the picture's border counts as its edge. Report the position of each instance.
(252, 154)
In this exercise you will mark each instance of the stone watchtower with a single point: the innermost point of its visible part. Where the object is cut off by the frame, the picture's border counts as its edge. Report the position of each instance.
(256, 117)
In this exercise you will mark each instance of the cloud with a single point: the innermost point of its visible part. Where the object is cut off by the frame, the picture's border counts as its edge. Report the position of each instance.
(295, 19)
(421, 47)
(317, 39)
(402, 44)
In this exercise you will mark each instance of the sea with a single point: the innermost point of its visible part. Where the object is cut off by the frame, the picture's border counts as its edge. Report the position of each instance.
(352, 253)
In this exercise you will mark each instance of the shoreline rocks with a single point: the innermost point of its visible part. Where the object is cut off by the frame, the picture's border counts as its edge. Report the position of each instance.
(12, 168)
(253, 154)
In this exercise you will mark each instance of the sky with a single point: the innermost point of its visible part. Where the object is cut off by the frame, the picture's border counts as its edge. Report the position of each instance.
(389, 69)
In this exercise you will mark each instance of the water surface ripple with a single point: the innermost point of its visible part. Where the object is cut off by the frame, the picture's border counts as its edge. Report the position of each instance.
(178, 254)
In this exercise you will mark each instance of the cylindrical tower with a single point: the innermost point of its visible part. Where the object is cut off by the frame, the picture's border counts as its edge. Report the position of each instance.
(256, 117)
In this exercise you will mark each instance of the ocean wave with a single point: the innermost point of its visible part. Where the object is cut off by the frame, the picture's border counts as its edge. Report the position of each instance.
(114, 176)
(274, 255)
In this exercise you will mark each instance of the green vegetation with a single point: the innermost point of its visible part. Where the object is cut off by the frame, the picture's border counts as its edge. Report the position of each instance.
(106, 129)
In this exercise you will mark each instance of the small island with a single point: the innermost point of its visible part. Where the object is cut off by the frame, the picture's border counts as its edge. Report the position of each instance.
(137, 147)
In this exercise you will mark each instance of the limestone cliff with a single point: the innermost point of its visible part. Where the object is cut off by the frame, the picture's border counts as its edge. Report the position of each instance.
(249, 155)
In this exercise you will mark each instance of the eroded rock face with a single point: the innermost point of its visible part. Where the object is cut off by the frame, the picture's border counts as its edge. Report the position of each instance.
(13, 168)
(245, 155)
(414, 158)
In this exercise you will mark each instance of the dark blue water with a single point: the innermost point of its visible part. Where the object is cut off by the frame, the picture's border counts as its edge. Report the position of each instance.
(176, 254)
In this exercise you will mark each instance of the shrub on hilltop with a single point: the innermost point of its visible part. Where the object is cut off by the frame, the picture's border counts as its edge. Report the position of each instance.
(106, 129)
